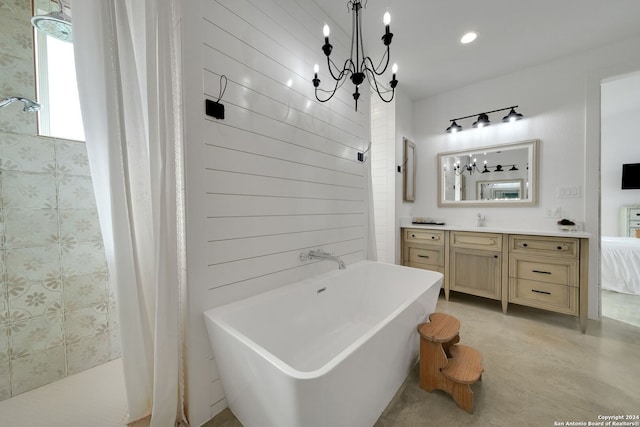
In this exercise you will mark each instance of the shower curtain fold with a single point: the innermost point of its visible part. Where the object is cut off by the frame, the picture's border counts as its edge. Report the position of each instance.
(129, 81)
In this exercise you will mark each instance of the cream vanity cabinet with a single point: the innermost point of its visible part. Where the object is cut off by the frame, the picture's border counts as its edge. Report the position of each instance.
(630, 220)
(424, 249)
(543, 271)
(475, 265)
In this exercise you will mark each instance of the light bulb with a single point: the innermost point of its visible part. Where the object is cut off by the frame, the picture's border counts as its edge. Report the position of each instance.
(325, 30)
(386, 18)
(316, 68)
(394, 68)
(468, 37)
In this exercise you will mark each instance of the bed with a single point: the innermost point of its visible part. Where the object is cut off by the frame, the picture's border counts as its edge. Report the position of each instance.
(620, 264)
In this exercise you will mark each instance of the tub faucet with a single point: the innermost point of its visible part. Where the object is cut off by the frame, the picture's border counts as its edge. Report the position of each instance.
(319, 253)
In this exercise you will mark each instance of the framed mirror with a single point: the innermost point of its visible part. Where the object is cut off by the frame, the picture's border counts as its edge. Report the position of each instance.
(498, 175)
(409, 171)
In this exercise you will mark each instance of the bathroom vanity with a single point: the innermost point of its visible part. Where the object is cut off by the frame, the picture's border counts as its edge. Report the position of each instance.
(542, 269)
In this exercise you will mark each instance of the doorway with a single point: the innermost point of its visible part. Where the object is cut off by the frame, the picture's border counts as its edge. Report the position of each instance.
(620, 249)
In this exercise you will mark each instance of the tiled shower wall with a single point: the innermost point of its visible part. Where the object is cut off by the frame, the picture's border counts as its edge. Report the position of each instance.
(57, 315)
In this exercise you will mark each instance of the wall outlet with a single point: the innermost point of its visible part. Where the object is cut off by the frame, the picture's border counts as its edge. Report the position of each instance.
(552, 212)
(566, 192)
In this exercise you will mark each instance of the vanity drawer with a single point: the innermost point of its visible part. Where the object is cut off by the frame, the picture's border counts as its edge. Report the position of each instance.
(634, 214)
(548, 296)
(635, 224)
(561, 272)
(433, 256)
(471, 240)
(424, 236)
(566, 247)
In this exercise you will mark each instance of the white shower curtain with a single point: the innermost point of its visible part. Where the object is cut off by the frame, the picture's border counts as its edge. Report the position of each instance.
(128, 69)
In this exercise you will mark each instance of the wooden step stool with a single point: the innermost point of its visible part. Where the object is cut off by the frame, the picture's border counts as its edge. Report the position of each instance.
(445, 364)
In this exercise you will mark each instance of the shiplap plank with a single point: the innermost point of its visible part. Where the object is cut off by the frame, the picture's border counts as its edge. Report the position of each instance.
(262, 124)
(222, 205)
(251, 98)
(224, 159)
(221, 182)
(229, 273)
(221, 295)
(243, 227)
(231, 250)
(224, 136)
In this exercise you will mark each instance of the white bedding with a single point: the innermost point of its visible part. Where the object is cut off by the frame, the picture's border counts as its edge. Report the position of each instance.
(620, 264)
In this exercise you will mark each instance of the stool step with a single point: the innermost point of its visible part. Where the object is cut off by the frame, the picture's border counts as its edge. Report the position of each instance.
(465, 365)
(441, 328)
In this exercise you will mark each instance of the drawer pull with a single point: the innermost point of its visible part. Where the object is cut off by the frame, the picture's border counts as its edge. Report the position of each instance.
(525, 245)
(423, 256)
(560, 248)
(413, 235)
(540, 271)
(434, 237)
(540, 292)
(495, 256)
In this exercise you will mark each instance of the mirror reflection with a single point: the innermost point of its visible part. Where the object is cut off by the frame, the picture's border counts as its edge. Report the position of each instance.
(500, 174)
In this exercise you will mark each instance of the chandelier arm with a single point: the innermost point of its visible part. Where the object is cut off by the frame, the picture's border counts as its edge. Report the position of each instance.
(341, 73)
(339, 83)
(371, 68)
(332, 92)
(376, 87)
(386, 55)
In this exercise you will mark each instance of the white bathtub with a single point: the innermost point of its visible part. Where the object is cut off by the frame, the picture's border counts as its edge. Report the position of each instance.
(327, 351)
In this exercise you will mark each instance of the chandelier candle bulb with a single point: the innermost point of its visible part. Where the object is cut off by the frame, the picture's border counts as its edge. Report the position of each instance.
(387, 20)
(316, 80)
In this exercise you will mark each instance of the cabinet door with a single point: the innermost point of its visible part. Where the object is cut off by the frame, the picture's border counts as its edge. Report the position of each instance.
(476, 272)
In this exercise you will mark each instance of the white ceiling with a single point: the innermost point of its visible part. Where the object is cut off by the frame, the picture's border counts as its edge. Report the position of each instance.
(513, 34)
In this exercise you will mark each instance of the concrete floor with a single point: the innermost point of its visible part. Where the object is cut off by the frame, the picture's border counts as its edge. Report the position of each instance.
(539, 369)
(622, 307)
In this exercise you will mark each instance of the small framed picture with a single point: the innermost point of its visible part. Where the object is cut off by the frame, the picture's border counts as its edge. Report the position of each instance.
(409, 171)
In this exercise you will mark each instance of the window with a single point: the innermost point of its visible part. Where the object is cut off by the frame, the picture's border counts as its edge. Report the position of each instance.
(60, 115)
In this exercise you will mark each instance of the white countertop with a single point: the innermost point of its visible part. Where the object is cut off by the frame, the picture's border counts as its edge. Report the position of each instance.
(406, 223)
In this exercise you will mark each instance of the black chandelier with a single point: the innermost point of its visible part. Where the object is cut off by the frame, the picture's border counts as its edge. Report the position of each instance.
(361, 66)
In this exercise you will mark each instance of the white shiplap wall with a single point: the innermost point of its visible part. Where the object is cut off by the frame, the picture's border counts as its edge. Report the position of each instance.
(383, 157)
(279, 175)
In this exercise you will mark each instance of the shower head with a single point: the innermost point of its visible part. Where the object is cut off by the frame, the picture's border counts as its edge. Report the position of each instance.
(55, 24)
(29, 105)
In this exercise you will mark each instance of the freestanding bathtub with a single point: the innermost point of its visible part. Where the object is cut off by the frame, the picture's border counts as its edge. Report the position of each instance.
(327, 351)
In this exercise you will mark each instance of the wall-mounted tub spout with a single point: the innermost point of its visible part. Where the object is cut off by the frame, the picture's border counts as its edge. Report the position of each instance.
(320, 254)
(29, 105)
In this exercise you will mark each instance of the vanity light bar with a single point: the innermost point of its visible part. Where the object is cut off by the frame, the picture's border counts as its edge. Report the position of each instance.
(483, 119)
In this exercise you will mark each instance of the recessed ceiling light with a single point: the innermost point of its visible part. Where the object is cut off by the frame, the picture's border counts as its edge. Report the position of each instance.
(468, 37)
